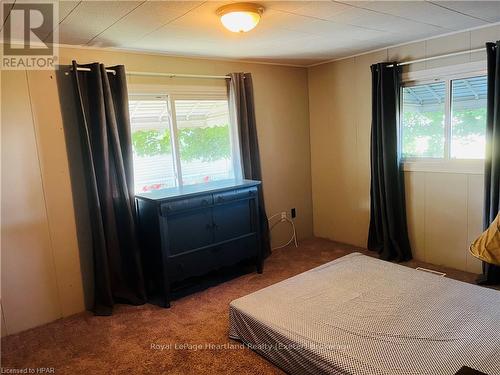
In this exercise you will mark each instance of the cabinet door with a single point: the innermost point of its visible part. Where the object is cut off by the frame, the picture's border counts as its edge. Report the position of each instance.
(230, 253)
(233, 219)
(189, 230)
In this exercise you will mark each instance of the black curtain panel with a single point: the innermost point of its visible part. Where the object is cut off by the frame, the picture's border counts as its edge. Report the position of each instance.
(241, 101)
(388, 232)
(102, 101)
(491, 273)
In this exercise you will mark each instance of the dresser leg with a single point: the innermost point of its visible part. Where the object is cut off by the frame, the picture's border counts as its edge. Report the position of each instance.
(260, 266)
(166, 302)
(166, 294)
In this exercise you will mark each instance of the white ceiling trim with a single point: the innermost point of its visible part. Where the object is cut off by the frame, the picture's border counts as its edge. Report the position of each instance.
(166, 54)
(404, 44)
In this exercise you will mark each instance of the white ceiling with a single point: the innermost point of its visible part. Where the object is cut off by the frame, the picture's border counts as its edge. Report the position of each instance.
(290, 32)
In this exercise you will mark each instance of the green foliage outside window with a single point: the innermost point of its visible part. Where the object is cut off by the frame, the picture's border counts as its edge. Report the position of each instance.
(426, 126)
(205, 144)
(430, 127)
(469, 122)
(151, 142)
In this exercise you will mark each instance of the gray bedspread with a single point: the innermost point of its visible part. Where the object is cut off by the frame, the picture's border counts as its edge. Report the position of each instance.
(360, 315)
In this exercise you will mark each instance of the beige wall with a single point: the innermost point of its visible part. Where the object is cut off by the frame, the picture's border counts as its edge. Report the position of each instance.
(444, 209)
(44, 244)
(444, 212)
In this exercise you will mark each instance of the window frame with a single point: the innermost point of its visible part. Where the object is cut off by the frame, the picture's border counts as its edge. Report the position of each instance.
(446, 75)
(171, 93)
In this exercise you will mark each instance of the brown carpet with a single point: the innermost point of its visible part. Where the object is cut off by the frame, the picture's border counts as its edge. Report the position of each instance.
(122, 343)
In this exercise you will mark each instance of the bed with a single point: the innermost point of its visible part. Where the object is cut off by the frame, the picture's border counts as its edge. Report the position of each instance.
(361, 315)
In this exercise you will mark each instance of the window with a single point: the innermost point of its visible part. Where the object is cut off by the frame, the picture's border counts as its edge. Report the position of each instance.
(182, 140)
(152, 144)
(444, 119)
(423, 120)
(204, 140)
(468, 117)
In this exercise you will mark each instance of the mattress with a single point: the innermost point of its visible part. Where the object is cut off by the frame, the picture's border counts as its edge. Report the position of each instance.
(361, 315)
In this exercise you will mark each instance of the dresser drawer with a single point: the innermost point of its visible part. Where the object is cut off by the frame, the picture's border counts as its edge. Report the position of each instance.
(186, 204)
(200, 262)
(192, 264)
(235, 194)
(233, 252)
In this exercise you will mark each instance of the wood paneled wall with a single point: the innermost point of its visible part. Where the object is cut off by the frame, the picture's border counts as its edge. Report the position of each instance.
(444, 209)
(41, 278)
(444, 212)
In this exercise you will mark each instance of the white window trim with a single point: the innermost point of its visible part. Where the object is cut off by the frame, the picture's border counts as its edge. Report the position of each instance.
(202, 92)
(453, 72)
(445, 164)
(170, 93)
(466, 166)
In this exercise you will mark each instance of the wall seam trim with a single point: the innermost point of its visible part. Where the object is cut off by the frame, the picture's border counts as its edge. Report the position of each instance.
(356, 140)
(6, 333)
(467, 222)
(425, 214)
(40, 168)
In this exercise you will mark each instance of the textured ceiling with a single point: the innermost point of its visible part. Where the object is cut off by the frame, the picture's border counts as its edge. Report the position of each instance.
(290, 32)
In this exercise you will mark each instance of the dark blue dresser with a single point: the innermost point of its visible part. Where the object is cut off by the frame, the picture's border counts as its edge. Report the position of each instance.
(191, 230)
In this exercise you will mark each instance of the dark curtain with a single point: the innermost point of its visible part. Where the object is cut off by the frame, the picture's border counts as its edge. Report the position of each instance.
(388, 232)
(240, 93)
(102, 101)
(491, 273)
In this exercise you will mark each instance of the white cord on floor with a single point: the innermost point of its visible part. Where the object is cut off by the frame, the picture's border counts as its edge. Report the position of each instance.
(294, 232)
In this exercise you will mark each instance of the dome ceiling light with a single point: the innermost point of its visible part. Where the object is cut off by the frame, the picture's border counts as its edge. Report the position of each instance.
(240, 17)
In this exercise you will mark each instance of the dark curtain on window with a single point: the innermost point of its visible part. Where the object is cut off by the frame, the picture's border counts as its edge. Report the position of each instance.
(241, 101)
(102, 101)
(491, 273)
(388, 232)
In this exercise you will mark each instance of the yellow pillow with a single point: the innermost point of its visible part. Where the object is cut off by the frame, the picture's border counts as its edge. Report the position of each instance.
(487, 246)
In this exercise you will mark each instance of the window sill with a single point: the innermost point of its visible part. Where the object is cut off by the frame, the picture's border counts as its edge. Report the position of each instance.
(444, 166)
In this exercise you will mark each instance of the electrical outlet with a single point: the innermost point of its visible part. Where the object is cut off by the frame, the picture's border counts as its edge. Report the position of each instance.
(293, 213)
(283, 216)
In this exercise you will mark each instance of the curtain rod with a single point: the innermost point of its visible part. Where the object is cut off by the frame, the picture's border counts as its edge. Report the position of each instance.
(169, 75)
(175, 75)
(438, 57)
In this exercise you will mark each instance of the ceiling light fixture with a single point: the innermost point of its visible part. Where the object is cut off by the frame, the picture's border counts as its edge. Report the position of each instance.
(240, 17)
